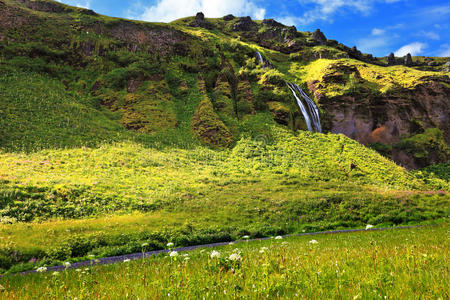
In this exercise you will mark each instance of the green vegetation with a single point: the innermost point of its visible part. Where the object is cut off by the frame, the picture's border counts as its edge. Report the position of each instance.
(299, 181)
(115, 133)
(37, 112)
(426, 147)
(394, 264)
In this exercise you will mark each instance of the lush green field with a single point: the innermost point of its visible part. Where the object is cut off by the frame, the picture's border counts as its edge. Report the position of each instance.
(393, 264)
(117, 133)
(66, 204)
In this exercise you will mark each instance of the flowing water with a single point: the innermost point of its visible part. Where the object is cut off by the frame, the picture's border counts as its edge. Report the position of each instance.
(310, 111)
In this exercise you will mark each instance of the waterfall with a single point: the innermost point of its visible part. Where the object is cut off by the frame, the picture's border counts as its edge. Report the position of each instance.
(310, 112)
(314, 111)
(260, 58)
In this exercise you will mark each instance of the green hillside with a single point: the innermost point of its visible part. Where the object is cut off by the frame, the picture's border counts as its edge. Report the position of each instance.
(115, 133)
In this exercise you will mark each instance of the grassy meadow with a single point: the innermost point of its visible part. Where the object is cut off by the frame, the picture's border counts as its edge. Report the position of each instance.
(118, 137)
(60, 205)
(392, 264)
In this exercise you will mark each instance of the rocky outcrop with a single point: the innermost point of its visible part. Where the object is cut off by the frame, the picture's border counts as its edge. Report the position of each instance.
(199, 21)
(408, 60)
(244, 24)
(207, 125)
(228, 17)
(245, 104)
(391, 59)
(386, 118)
(319, 37)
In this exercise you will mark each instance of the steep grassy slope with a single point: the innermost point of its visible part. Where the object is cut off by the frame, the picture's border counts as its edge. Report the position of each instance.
(37, 112)
(116, 133)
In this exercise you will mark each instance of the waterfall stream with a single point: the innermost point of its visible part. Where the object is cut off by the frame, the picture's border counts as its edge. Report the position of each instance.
(293, 88)
(310, 111)
(260, 58)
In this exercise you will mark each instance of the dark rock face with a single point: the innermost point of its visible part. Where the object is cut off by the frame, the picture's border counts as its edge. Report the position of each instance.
(355, 53)
(391, 59)
(244, 24)
(408, 60)
(199, 21)
(319, 37)
(271, 23)
(228, 17)
(386, 118)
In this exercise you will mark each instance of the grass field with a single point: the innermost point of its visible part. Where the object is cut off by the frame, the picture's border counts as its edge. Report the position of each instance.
(393, 264)
(61, 205)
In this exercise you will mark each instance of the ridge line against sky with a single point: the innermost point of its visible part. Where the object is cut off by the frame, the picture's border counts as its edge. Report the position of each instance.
(374, 26)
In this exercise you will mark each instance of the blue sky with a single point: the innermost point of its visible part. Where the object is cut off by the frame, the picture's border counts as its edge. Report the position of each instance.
(421, 27)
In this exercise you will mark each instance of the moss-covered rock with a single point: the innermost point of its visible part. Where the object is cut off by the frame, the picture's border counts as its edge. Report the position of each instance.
(425, 148)
(245, 104)
(150, 110)
(208, 127)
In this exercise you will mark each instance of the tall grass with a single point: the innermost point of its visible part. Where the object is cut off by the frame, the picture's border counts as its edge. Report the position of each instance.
(395, 264)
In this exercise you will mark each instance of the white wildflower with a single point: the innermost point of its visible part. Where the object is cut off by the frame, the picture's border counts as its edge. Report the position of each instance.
(170, 244)
(173, 253)
(279, 237)
(263, 249)
(56, 273)
(368, 226)
(215, 254)
(77, 270)
(126, 260)
(2, 288)
(41, 269)
(231, 243)
(234, 257)
(67, 264)
(187, 258)
(246, 237)
(313, 242)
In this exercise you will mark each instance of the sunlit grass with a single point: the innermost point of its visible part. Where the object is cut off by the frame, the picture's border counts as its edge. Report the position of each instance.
(394, 264)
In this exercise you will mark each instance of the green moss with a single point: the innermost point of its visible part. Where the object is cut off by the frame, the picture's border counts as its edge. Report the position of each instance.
(428, 147)
(208, 127)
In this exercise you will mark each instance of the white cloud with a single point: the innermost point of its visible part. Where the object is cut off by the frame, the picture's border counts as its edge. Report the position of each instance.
(413, 48)
(371, 45)
(325, 10)
(170, 10)
(429, 35)
(378, 31)
(444, 50)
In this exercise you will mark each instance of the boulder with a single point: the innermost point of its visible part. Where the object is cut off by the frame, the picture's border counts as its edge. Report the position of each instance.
(199, 21)
(391, 59)
(271, 23)
(228, 17)
(319, 37)
(408, 60)
(244, 24)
